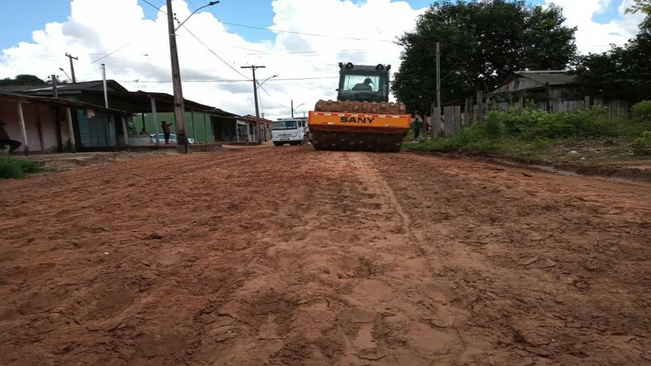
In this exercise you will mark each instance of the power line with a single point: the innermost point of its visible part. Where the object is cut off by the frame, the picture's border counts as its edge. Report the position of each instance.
(154, 6)
(214, 53)
(306, 53)
(133, 41)
(109, 54)
(272, 98)
(282, 91)
(235, 81)
(191, 3)
(306, 34)
(189, 31)
(246, 26)
(205, 45)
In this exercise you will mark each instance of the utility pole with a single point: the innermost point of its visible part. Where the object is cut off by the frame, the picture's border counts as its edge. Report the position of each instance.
(179, 107)
(105, 88)
(72, 66)
(54, 86)
(436, 117)
(438, 75)
(255, 96)
(292, 108)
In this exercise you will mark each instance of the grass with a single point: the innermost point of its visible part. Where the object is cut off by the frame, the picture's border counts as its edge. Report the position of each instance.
(12, 168)
(586, 135)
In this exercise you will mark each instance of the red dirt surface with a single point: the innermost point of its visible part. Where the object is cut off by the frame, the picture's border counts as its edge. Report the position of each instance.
(288, 256)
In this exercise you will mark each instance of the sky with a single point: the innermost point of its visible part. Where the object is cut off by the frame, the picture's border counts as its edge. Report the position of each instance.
(300, 43)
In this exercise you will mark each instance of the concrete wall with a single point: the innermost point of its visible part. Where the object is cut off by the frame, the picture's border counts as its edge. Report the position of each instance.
(40, 125)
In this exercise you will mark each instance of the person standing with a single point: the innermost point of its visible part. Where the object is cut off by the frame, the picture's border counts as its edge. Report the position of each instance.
(416, 125)
(166, 131)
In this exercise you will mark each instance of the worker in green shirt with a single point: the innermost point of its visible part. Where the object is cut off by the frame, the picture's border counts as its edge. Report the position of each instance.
(416, 125)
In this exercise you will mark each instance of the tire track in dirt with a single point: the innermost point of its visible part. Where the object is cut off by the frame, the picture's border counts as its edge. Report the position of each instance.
(549, 268)
(119, 258)
(287, 256)
(347, 284)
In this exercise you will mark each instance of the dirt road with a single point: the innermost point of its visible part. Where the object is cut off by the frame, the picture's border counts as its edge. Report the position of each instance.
(287, 256)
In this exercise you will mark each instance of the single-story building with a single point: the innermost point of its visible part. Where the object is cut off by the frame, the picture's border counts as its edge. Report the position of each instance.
(44, 124)
(202, 126)
(242, 129)
(539, 85)
(144, 109)
(265, 127)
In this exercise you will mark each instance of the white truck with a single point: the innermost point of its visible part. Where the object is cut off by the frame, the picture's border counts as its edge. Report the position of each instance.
(291, 131)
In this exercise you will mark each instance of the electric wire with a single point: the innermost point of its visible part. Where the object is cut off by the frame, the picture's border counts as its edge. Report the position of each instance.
(202, 43)
(240, 80)
(214, 53)
(305, 34)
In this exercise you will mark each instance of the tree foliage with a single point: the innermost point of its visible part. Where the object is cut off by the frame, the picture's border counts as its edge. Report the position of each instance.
(481, 43)
(642, 6)
(22, 79)
(622, 72)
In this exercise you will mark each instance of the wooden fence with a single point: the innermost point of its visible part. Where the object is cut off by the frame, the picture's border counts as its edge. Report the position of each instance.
(452, 118)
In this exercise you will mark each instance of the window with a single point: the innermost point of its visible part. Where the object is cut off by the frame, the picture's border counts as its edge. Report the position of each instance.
(285, 125)
(360, 83)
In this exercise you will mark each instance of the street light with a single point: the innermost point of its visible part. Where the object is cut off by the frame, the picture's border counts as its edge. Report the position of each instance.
(294, 109)
(265, 80)
(64, 71)
(191, 14)
(258, 96)
(179, 107)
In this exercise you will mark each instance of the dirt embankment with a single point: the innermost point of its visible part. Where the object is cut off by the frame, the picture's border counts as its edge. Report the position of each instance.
(287, 256)
(608, 167)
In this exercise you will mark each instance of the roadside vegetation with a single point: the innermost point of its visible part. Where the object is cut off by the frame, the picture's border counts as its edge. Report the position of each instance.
(586, 134)
(12, 168)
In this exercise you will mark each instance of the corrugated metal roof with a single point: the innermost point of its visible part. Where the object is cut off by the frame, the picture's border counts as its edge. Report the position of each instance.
(66, 102)
(551, 77)
(65, 87)
(139, 100)
(536, 79)
(251, 118)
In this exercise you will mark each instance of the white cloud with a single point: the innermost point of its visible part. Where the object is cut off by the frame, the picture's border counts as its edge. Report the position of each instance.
(594, 37)
(95, 28)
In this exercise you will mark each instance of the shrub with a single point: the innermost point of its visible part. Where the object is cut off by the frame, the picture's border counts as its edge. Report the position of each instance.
(11, 168)
(642, 110)
(531, 124)
(642, 145)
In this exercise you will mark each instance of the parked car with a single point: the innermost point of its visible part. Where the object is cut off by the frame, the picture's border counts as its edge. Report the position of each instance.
(161, 138)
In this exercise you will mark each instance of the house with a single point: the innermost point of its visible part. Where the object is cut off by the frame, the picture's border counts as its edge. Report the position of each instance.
(544, 85)
(202, 126)
(242, 129)
(44, 124)
(265, 127)
(144, 109)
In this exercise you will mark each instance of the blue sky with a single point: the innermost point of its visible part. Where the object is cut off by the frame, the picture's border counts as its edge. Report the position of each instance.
(135, 49)
(248, 12)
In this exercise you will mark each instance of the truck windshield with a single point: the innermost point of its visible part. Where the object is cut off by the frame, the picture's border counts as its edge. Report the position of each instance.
(362, 83)
(284, 125)
(363, 86)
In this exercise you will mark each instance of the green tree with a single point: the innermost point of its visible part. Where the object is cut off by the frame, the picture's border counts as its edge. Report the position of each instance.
(620, 73)
(481, 42)
(22, 79)
(643, 6)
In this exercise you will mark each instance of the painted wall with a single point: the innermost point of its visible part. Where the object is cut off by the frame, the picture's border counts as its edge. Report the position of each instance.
(199, 130)
(40, 125)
